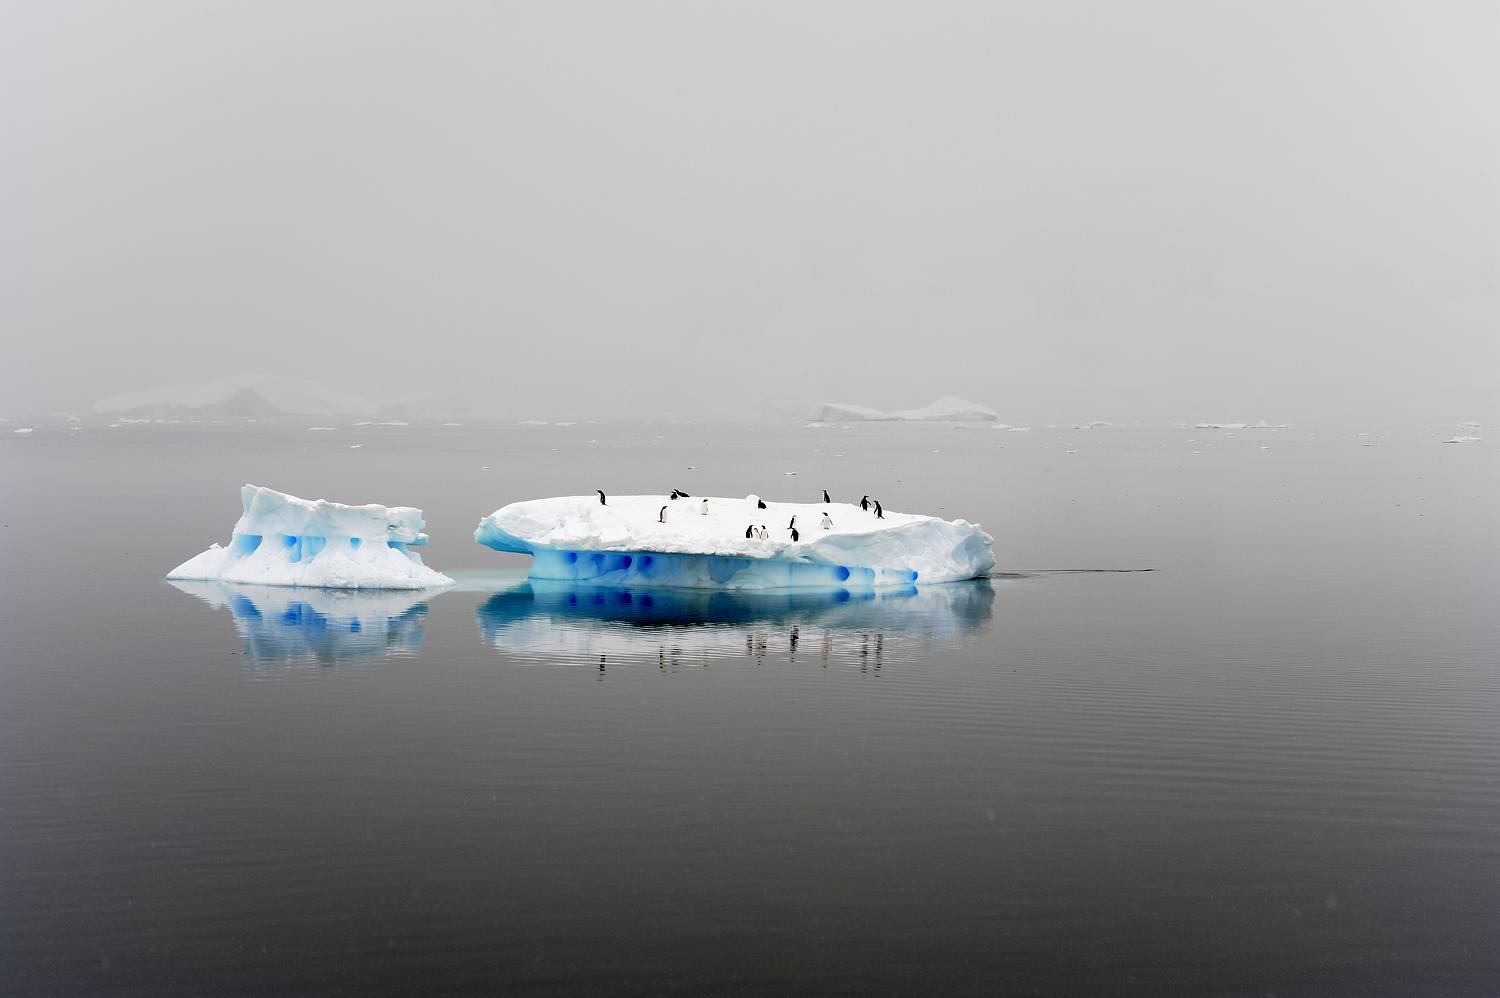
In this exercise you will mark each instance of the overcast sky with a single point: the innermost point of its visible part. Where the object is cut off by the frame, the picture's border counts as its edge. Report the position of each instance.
(1194, 209)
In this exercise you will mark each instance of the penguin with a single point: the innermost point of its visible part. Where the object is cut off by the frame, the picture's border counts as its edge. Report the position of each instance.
(750, 532)
(704, 508)
(793, 524)
(662, 516)
(760, 504)
(795, 535)
(825, 496)
(764, 534)
(879, 511)
(674, 495)
(864, 504)
(827, 522)
(681, 494)
(601, 497)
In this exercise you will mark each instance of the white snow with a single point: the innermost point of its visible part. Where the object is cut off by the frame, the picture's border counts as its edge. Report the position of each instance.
(948, 409)
(280, 540)
(577, 539)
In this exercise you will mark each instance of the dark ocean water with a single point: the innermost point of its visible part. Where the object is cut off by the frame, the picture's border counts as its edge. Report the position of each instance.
(1271, 764)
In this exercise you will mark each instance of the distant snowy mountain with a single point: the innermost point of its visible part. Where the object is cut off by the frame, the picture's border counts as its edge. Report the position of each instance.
(948, 409)
(243, 397)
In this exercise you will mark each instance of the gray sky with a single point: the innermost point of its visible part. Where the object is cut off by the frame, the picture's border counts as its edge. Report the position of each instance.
(1194, 209)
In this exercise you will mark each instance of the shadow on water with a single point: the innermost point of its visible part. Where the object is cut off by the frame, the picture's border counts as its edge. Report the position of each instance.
(543, 622)
(289, 626)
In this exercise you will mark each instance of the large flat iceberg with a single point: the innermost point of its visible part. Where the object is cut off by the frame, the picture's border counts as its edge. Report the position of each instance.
(576, 539)
(280, 540)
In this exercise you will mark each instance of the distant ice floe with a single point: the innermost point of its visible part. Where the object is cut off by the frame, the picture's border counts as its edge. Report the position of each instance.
(281, 540)
(1093, 424)
(1469, 425)
(948, 409)
(1259, 425)
(23, 429)
(532, 422)
(1463, 440)
(321, 429)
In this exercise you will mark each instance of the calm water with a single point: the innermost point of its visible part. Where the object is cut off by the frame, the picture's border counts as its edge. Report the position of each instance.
(1269, 765)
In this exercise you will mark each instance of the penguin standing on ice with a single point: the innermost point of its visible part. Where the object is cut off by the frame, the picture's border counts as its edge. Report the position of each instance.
(704, 508)
(764, 534)
(662, 516)
(795, 535)
(827, 522)
(601, 497)
(793, 524)
(825, 496)
(760, 503)
(879, 512)
(864, 504)
(674, 495)
(750, 532)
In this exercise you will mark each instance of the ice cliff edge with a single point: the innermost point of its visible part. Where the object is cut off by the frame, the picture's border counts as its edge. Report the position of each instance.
(281, 540)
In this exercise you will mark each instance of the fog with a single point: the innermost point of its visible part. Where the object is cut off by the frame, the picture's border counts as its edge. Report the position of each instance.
(1146, 210)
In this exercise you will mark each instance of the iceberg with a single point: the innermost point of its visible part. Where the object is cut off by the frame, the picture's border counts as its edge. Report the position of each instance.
(280, 540)
(281, 626)
(948, 409)
(703, 543)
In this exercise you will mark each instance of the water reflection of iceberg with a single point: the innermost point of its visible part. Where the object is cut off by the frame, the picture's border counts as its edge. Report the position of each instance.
(541, 621)
(283, 625)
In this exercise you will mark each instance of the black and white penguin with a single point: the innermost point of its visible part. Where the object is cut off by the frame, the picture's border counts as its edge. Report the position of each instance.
(601, 497)
(681, 494)
(662, 516)
(704, 508)
(795, 535)
(750, 532)
(825, 496)
(879, 512)
(673, 495)
(760, 504)
(793, 524)
(764, 534)
(827, 522)
(864, 504)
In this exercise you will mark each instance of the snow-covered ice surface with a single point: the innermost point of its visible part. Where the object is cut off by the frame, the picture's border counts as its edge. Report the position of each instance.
(948, 409)
(286, 626)
(280, 540)
(574, 538)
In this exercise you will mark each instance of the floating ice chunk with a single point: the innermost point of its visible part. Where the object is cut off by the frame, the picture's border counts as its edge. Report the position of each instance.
(23, 429)
(1219, 426)
(532, 422)
(1093, 424)
(1470, 425)
(280, 540)
(1462, 440)
(453, 424)
(321, 429)
(575, 539)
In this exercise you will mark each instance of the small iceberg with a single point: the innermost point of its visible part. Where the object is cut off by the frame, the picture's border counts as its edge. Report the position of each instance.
(280, 540)
(1462, 440)
(703, 543)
